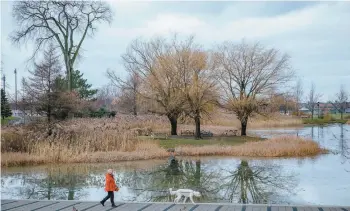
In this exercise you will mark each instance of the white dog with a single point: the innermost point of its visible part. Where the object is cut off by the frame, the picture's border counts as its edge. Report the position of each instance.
(187, 193)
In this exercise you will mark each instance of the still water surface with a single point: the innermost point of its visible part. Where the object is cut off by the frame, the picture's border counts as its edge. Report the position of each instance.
(323, 180)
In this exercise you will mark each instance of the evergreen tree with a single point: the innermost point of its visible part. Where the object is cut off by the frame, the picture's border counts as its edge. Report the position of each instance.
(41, 84)
(79, 84)
(5, 106)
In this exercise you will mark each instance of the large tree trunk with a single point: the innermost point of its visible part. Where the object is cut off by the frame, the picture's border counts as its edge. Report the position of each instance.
(341, 115)
(244, 124)
(134, 109)
(173, 122)
(197, 120)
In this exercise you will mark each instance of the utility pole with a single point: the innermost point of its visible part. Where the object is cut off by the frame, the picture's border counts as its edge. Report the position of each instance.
(16, 88)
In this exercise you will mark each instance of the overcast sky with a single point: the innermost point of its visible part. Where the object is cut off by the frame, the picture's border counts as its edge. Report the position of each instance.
(315, 34)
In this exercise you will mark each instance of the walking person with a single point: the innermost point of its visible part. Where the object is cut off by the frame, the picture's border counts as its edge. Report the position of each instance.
(110, 188)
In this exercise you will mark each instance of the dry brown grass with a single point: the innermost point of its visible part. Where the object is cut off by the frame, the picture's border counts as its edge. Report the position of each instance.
(284, 146)
(109, 140)
(143, 151)
(81, 135)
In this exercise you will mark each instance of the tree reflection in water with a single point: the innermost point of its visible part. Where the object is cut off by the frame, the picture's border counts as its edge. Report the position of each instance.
(154, 185)
(55, 183)
(256, 184)
(249, 182)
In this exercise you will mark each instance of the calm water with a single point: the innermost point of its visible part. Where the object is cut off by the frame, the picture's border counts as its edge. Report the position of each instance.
(323, 180)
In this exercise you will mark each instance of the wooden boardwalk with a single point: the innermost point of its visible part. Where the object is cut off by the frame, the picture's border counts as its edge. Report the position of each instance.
(41, 205)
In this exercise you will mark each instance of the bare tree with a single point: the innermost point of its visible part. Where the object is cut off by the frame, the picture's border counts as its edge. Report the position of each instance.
(129, 89)
(341, 103)
(41, 85)
(199, 84)
(27, 101)
(312, 100)
(247, 73)
(159, 82)
(278, 102)
(65, 23)
(298, 95)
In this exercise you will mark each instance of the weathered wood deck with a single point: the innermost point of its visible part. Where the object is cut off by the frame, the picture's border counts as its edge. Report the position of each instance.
(37, 205)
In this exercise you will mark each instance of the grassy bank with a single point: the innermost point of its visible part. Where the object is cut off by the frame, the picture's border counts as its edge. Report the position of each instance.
(118, 139)
(278, 147)
(323, 121)
(227, 141)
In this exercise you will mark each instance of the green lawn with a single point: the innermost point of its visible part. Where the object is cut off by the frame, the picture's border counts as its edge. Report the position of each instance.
(5, 121)
(337, 116)
(181, 141)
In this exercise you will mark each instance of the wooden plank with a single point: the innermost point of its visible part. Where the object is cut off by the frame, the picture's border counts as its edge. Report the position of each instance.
(120, 206)
(183, 207)
(157, 207)
(219, 208)
(144, 207)
(169, 207)
(33, 205)
(60, 206)
(36, 206)
(18, 204)
(82, 206)
(227, 208)
(129, 206)
(209, 207)
(3, 202)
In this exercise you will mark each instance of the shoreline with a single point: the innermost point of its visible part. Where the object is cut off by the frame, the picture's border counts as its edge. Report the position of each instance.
(279, 147)
(37, 164)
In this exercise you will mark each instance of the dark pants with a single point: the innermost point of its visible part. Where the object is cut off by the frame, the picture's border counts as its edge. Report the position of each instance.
(110, 195)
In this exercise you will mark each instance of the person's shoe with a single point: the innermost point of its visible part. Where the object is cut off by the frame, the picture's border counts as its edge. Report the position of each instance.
(113, 205)
(103, 204)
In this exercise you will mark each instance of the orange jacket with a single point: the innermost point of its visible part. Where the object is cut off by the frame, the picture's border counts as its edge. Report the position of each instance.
(110, 183)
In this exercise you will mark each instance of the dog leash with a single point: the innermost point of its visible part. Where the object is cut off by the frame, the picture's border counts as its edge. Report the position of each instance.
(150, 190)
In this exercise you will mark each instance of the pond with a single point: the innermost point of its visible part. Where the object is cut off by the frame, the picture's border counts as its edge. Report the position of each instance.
(323, 180)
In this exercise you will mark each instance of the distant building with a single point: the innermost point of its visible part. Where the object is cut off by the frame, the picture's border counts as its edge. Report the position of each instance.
(323, 108)
(17, 113)
(21, 113)
(304, 110)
